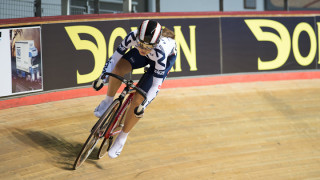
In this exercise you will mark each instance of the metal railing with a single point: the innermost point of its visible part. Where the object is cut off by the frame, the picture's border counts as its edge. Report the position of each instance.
(27, 8)
(49, 9)
(106, 6)
(16, 9)
(292, 5)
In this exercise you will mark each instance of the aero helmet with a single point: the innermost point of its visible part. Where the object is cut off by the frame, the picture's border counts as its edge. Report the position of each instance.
(149, 32)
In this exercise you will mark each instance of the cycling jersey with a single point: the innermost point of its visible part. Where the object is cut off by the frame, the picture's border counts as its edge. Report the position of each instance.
(161, 57)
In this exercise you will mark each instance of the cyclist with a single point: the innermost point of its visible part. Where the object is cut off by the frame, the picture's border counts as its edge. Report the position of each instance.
(152, 45)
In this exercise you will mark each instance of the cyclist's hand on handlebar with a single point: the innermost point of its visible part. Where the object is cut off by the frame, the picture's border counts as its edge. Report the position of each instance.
(139, 110)
(139, 113)
(98, 84)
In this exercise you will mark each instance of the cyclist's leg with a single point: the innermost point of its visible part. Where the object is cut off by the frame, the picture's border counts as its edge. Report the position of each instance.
(145, 84)
(129, 61)
(122, 67)
(131, 120)
(136, 61)
(129, 123)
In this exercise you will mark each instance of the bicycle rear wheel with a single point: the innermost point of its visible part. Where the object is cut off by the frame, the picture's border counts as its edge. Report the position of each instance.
(105, 146)
(107, 142)
(96, 133)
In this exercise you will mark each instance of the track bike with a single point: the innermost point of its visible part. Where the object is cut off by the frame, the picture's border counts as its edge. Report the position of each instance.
(111, 122)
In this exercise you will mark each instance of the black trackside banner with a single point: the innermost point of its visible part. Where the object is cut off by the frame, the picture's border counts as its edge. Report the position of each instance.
(269, 44)
(75, 53)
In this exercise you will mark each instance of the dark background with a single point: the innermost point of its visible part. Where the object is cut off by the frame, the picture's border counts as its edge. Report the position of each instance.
(61, 60)
(241, 49)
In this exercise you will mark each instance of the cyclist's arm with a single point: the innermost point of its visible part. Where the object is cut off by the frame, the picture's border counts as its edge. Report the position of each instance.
(160, 66)
(153, 91)
(126, 43)
(158, 76)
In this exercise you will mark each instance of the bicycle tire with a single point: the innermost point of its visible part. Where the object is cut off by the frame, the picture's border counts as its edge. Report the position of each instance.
(105, 146)
(107, 142)
(95, 136)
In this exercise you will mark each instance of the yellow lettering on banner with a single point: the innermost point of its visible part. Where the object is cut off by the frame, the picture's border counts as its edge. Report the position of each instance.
(304, 61)
(115, 33)
(282, 43)
(99, 51)
(318, 24)
(190, 54)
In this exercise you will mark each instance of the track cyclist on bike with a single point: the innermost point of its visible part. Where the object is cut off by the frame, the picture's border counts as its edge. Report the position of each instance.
(152, 45)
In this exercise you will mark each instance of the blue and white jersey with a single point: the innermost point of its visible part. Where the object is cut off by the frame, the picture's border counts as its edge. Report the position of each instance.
(159, 54)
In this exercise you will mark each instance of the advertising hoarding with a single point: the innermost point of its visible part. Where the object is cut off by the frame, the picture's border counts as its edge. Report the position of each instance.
(268, 44)
(75, 53)
(21, 60)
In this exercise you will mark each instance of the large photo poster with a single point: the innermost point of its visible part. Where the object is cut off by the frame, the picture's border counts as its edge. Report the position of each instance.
(22, 63)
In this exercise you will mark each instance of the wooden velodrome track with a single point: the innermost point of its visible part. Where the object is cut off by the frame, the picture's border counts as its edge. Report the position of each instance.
(256, 130)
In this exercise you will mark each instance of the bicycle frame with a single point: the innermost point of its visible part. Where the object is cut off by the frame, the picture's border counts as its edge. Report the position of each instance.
(123, 107)
(113, 126)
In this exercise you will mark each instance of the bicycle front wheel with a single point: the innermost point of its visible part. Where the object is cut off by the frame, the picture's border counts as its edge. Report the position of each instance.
(86, 149)
(96, 133)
